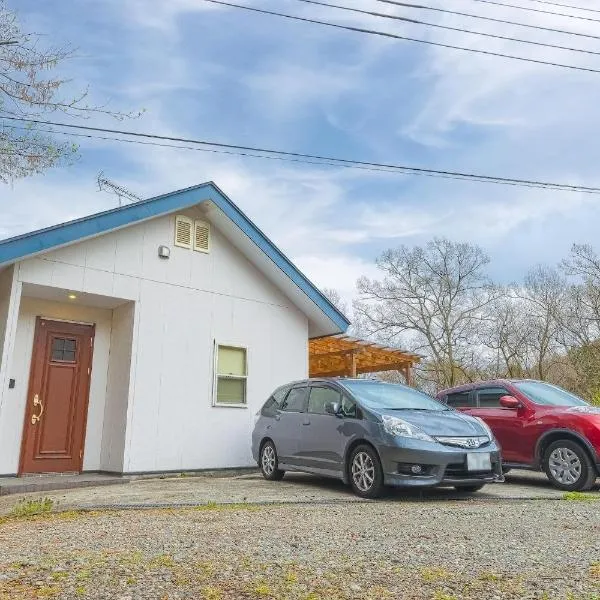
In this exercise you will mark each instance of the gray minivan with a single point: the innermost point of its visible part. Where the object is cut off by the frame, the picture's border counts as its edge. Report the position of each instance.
(372, 434)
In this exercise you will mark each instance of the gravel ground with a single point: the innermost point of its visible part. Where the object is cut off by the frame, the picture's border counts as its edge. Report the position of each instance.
(541, 549)
(253, 488)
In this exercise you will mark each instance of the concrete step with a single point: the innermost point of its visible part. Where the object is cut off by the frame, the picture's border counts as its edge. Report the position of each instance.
(44, 483)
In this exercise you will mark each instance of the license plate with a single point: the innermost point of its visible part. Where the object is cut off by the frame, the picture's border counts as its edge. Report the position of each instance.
(479, 461)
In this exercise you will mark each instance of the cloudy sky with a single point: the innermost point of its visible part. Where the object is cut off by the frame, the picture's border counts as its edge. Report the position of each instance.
(217, 73)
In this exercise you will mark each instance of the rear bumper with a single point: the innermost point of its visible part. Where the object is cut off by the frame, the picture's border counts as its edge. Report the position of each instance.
(445, 467)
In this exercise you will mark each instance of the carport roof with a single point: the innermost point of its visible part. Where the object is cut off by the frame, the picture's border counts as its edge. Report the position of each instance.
(343, 355)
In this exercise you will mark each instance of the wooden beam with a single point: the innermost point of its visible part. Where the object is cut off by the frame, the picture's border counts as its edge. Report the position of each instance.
(351, 362)
(337, 353)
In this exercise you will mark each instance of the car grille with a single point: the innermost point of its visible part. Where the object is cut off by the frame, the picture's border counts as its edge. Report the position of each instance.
(464, 442)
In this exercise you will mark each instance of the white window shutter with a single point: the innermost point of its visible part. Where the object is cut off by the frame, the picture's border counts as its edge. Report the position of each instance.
(201, 236)
(183, 232)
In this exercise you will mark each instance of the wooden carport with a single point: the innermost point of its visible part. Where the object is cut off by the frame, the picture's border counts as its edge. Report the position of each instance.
(345, 356)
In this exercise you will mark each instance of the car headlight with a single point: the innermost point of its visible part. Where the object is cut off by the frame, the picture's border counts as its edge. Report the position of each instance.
(486, 427)
(400, 428)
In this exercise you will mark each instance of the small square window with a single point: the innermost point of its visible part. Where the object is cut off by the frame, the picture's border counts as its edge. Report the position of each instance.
(63, 350)
(231, 376)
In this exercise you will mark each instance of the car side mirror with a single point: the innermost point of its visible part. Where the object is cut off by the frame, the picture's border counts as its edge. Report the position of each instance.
(509, 402)
(333, 408)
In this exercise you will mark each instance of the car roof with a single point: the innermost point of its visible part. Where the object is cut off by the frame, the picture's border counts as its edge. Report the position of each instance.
(466, 387)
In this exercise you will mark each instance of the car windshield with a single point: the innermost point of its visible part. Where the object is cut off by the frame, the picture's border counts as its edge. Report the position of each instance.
(392, 396)
(550, 395)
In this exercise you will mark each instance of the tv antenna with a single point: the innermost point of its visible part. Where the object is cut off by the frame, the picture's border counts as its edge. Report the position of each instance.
(106, 185)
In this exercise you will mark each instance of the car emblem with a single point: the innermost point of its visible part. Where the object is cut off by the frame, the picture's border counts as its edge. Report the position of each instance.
(472, 442)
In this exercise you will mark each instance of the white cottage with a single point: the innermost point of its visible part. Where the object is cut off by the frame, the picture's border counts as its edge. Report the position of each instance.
(144, 339)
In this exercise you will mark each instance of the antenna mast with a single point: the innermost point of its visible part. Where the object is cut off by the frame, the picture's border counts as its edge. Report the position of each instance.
(106, 185)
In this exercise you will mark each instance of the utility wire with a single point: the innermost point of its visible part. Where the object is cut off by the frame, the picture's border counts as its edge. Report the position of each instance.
(243, 150)
(400, 37)
(538, 10)
(486, 18)
(595, 10)
(416, 22)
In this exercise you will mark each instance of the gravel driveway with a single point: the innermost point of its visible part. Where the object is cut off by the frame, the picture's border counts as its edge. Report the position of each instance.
(409, 549)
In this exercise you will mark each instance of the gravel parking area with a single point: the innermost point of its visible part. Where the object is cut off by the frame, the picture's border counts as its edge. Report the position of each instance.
(411, 550)
(295, 487)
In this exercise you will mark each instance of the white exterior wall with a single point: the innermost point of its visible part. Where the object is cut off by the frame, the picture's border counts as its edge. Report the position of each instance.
(11, 421)
(118, 388)
(179, 307)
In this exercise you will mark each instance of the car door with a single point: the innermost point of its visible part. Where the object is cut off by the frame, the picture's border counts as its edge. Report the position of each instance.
(322, 441)
(287, 429)
(508, 424)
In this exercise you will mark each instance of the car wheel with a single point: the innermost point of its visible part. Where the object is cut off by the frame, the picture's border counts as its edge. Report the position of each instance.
(269, 463)
(568, 466)
(365, 473)
(471, 489)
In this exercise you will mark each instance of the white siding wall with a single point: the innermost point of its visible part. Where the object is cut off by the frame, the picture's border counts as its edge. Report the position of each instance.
(6, 278)
(117, 389)
(11, 421)
(182, 305)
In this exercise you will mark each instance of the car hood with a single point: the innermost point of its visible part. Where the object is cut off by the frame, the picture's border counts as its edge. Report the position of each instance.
(439, 422)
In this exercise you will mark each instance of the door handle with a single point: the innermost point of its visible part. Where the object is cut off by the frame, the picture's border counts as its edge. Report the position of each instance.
(37, 402)
(277, 417)
(306, 422)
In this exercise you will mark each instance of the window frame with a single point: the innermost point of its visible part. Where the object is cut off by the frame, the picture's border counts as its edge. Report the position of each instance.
(217, 376)
(472, 398)
(490, 387)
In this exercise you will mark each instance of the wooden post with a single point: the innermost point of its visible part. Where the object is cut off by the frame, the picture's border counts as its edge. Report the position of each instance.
(408, 375)
(351, 364)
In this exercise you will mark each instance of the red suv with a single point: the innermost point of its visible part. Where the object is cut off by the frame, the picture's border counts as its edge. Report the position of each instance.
(539, 426)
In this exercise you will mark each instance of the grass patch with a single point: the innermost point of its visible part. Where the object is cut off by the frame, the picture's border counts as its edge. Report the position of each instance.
(32, 508)
(580, 497)
(435, 574)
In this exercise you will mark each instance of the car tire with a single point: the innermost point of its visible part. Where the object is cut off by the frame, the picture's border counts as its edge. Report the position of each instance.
(568, 466)
(269, 463)
(365, 472)
(470, 489)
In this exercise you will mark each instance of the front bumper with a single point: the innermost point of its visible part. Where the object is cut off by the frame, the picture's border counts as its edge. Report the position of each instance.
(441, 466)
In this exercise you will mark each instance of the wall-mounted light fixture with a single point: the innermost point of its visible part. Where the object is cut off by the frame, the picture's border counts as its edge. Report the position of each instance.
(72, 296)
(164, 252)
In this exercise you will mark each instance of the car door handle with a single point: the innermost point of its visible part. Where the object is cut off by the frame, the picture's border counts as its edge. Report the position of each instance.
(277, 417)
(306, 422)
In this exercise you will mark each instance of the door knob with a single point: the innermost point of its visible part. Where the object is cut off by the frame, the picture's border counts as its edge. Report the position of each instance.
(37, 402)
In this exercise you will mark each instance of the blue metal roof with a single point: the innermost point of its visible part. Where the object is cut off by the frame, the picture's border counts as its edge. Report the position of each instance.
(20, 247)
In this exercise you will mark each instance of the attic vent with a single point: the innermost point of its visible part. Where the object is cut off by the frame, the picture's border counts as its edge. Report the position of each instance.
(183, 232)
(201, 236)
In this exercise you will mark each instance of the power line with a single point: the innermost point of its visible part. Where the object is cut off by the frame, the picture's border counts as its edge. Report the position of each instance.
(538, 10)
(298, 157)
(461, 30)
(486, 18)
(595, 10)
(400, 37)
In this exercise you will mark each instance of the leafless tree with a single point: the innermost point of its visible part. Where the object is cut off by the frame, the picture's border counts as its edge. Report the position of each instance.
(432, 298)
(28, 91)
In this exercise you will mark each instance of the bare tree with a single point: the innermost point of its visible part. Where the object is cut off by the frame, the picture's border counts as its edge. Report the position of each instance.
(432, 298)
(505, 334)
(336, 299)
(543, 292)
(27, 91)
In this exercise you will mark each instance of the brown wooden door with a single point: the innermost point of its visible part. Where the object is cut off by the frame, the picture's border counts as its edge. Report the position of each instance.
(57, 401)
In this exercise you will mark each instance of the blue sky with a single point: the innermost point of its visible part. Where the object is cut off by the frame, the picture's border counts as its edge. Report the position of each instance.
(217, 73)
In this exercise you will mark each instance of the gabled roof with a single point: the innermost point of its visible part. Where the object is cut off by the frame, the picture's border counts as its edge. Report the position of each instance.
(324, 317)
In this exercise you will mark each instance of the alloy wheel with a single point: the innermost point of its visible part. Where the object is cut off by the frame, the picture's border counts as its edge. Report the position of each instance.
(268, 459)
(564, 466)
(363, 471)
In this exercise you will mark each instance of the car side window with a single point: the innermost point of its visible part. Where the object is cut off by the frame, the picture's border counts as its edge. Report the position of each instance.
(490, 397)
(275, 400)
(295, 400)
(461, 400)
(319, 397)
